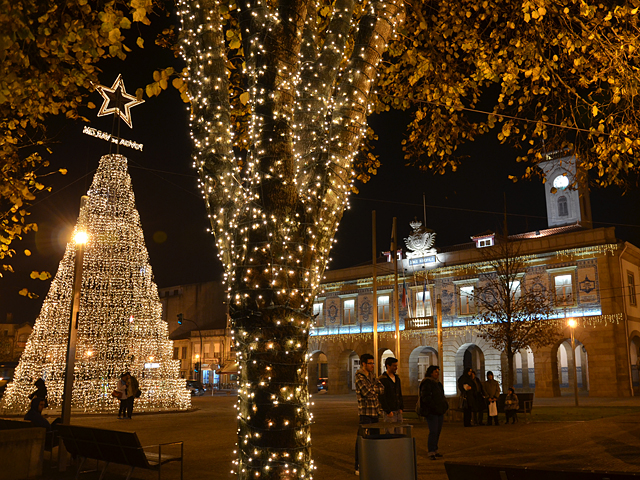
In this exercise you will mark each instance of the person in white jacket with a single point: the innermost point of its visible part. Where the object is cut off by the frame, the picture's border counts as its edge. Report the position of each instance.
(121, 387)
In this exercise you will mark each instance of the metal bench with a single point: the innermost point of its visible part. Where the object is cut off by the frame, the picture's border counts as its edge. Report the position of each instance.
(112, 446)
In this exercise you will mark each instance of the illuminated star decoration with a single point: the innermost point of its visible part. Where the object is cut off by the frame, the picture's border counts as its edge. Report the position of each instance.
(118, 95)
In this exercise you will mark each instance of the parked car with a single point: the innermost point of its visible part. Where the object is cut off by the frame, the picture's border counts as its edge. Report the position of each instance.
(195, 387)
(322, 384)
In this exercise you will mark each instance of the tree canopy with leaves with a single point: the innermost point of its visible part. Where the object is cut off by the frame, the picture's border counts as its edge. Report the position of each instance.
(543, 75)
(513, 304)
(49, 52)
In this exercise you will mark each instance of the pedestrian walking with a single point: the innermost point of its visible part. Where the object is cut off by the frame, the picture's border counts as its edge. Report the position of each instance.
(479, 402)
(368, 389)
(121, 388)
(133, 392)
(511, 405)
(41, 391)
(391, 400)
(467, 395)
(492, 391)
(433, 406)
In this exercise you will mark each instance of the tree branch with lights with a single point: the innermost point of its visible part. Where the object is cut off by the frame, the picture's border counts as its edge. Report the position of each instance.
(308, 70)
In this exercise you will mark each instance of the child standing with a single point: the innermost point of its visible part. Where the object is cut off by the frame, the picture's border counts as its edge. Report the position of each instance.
(511, 405)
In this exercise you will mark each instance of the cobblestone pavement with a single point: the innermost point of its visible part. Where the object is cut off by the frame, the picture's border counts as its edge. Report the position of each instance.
(209, 435)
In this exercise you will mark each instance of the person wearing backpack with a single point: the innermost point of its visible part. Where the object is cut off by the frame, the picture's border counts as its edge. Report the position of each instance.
(433, 406)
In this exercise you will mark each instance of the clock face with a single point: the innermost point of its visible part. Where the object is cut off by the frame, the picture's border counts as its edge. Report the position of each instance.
(561, 182)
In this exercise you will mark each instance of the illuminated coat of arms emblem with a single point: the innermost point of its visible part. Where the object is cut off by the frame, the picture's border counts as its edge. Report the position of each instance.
(420, 241)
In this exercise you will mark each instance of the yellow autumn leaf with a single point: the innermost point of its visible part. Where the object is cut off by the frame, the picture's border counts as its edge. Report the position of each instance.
(140, 42)
(24, 292)
(244, 98)
(27, 253)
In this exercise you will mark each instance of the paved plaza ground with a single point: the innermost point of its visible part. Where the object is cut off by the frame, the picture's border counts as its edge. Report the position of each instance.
(208, 433)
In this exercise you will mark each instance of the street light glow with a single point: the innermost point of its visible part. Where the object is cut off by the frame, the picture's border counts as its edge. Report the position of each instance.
(81, 237)
(572, 323)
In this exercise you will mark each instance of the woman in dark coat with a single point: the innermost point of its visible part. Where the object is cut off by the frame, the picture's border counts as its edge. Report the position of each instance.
(41, 392)
(479, 404)
(468, 389)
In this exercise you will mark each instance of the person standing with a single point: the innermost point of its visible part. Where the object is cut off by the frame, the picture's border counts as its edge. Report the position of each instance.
(368, 389)
(467, 395)
(41, 391)
(511, 405)
(133, 391)
(391, 400)
(433, 406)
(478, 403)
(121, 387)
(492, 391)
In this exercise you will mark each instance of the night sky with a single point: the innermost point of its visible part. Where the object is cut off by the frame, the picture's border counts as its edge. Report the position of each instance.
(459, 204)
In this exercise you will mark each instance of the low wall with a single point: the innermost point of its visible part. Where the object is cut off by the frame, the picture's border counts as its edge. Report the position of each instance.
(21, 453)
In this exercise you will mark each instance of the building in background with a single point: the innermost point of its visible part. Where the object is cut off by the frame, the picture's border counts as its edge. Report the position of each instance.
(591, 275)
(198, 325)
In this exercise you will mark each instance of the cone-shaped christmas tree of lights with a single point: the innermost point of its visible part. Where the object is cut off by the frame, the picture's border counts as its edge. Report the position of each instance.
(120, 326)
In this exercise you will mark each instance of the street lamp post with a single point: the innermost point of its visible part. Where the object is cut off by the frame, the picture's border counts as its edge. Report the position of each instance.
(80, 239)
(572, 325)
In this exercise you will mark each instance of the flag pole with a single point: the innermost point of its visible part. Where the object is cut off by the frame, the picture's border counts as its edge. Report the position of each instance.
(375, 291)
(394, 251)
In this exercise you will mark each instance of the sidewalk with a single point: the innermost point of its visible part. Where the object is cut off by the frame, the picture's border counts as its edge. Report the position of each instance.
(209, 434)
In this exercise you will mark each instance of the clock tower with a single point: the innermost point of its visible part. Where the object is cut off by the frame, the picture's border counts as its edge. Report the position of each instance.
(566, 191)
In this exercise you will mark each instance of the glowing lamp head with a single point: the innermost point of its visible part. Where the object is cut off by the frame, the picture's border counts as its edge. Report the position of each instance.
(197, 356)
(81, 237)
(572, 323)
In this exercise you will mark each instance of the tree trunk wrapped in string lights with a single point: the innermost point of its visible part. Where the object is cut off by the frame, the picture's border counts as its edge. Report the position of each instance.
(279, 97)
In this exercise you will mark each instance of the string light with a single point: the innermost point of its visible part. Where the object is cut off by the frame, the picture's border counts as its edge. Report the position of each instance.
(120, 324)
(275, 208)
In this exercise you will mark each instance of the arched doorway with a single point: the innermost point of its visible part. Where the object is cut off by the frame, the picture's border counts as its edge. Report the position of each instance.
(524, 370)
(563, 374)
(353, 366)
(386, 354)
(318, 371)
(468, 356)
(419, 361)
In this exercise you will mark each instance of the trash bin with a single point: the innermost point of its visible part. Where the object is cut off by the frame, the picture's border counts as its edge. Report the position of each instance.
(387, 451)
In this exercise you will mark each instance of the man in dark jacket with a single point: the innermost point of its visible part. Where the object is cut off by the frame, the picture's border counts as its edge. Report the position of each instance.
(433, 406)
(391, 400)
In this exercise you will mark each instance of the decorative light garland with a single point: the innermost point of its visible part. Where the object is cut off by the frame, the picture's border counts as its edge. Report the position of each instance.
(459, 330)
(120, 325)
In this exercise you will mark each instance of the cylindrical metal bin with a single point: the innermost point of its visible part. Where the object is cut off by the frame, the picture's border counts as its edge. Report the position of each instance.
(387, 451)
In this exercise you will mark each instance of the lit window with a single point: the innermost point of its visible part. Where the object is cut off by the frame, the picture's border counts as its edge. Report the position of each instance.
(349, 312)
(485, 242)
(564, 289)
(514, 290)
(466, 300)
(563, 207)
(384, 314)
(631, 285)
(318, 313)
(423, 305)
